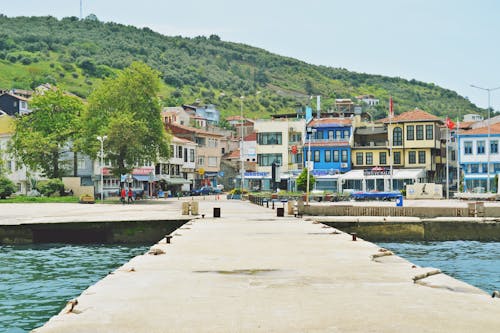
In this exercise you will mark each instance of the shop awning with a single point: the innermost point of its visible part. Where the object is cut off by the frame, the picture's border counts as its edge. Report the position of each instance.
(141, 178)
(177, 181)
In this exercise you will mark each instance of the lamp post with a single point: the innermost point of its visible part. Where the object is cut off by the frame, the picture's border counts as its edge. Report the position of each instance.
(101, 140)
(241, 147)
(310, 131)
(488, 144)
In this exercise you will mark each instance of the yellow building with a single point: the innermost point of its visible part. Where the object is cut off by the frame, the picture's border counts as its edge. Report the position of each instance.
(415, 137)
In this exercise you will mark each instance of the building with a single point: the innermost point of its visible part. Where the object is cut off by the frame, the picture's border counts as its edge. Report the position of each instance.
(207, 112)
(369, 100)
(175, 115)
(210, 149)
(279, 142)
(178, 173)
(474, 154)
(14, 105)
(415, 137)
(328, 140)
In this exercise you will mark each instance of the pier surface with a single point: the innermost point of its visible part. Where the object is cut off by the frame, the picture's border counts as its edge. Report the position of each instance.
(250, 271)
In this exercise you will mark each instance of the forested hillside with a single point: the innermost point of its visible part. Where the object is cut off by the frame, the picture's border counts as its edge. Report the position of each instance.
(77, 54)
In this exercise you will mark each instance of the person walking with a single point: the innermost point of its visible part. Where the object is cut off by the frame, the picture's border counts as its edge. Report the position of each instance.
(130, 195)
(123, 194)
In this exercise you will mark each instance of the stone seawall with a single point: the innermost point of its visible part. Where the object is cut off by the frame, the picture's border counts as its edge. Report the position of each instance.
(423, 230)
(89, 232)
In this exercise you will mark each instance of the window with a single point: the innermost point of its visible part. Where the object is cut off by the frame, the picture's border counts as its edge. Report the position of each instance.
(179, 151)
(410, 132)
(480, 147)
(382, 158)
(467, 147)
(494, 147)
(412, 157)
(185, 154)
(346, 134)
(223, 150)
(420, 132)
(421, 157)
(344, 155)
(200, 141)
(330, 135)
(316, 155)
(397, 157)
(268, 159)
(359, 158)
(201, 160)
(274, 138)
(397, 137)
(369, 158)
(453, 155)
(81, 164)
(335, 155)
(191, 155)
(328, 155)
(212, 161)
(429, 132)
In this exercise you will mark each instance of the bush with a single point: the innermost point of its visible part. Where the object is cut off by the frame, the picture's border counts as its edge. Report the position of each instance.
(51, 186)
(7, 187)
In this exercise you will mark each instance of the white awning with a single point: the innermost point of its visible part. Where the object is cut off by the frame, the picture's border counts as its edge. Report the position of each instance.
(396, 174)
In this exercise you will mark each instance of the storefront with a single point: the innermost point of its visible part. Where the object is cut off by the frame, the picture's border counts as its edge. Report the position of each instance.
(378, 179)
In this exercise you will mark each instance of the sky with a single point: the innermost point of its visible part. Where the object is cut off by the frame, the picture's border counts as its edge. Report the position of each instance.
(452, 43)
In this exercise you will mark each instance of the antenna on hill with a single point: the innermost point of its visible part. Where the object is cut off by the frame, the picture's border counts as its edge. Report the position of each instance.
(81, 9)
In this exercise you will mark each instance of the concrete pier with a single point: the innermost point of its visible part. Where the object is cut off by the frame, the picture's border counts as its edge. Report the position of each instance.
(250, 271)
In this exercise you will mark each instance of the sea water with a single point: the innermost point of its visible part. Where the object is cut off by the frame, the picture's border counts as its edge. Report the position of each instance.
(477, 263)
(36, 281)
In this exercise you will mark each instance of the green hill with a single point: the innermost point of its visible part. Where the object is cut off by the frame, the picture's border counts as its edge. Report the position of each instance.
(76, 54)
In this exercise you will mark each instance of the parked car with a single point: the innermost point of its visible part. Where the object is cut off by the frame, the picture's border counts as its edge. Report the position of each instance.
(205, 190)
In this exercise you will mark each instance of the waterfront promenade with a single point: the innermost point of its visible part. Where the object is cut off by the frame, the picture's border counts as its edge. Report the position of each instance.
(251, 271)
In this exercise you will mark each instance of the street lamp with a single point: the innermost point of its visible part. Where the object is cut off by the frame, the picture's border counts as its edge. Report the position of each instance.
(241, 147)
(310, 131)
(488, 145)
(101, 140)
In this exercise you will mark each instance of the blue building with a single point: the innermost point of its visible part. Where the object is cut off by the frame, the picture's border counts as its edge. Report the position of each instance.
(329, 141)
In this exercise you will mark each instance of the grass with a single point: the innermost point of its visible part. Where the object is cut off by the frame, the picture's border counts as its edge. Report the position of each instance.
(25, 199)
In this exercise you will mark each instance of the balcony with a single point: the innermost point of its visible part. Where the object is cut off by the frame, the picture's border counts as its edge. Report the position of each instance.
(371, 144)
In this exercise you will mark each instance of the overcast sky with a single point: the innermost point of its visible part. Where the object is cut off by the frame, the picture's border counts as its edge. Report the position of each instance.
(452, 43)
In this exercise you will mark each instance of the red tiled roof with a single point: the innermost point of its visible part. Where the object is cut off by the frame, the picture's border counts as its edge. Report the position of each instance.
(494, 129)
(177, 129)
(413, 115)
(234, 154)
(181, 140)
(329, 144)
(331, 121)
(251, 137)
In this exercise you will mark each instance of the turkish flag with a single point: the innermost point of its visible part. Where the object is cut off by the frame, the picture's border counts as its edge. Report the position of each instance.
(449, 123)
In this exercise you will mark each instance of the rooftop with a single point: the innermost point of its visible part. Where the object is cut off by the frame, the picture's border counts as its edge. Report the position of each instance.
(412, 116)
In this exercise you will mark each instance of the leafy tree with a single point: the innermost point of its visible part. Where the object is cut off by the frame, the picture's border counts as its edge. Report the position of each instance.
(42, 136)
(126, 109)
(51, 186)
(7, 187)
(302, 181)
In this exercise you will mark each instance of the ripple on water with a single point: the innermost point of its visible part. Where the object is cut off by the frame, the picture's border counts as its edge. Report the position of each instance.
(37, 280)
(477, 263)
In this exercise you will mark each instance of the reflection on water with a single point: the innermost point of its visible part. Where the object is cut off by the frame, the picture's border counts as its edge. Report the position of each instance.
(36, 281)
(476, 263)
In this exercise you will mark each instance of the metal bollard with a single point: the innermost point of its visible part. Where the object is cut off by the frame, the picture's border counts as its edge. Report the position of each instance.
(168, 238)
(216, 211)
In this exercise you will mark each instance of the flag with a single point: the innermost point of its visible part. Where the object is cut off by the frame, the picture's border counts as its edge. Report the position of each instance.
(391, 108)
(449, 123)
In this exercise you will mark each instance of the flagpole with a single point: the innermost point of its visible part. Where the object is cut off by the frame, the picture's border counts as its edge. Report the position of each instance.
(458, 156)
(390, 144)
(447, 164)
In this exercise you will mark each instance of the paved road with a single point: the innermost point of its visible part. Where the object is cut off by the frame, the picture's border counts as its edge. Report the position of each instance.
(251, 271)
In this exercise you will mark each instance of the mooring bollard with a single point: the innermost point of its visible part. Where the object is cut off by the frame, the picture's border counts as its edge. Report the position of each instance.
(354, 238)
(280, 212)
(216, 211)
(168, 238)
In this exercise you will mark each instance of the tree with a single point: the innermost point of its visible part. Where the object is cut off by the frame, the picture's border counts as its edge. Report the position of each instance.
(302, 181)
(126, 109)
(7, 187)
(43, 136)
